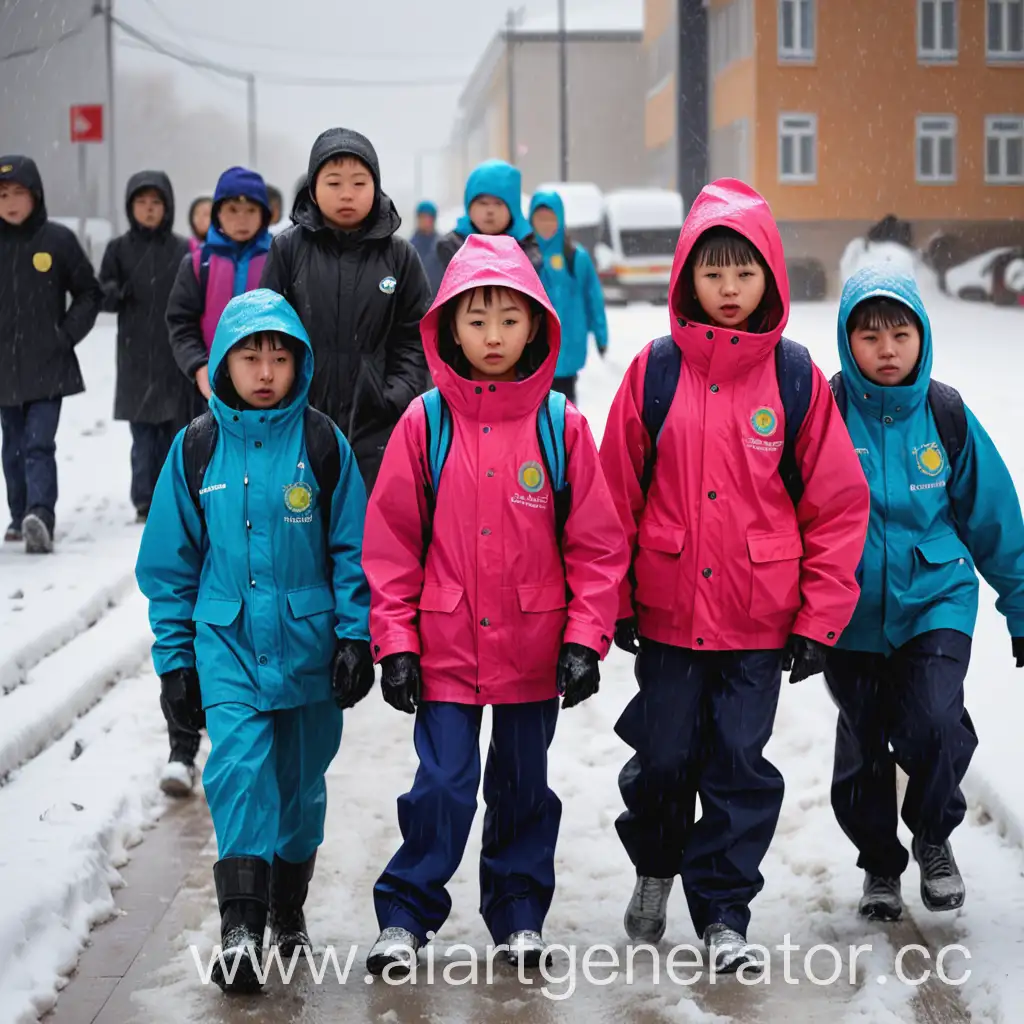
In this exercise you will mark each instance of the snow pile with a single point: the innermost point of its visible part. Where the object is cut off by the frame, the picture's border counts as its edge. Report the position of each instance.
(860, 253)
(975, 273)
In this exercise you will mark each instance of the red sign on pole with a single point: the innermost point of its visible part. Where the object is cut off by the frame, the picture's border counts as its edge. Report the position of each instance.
(87, 123)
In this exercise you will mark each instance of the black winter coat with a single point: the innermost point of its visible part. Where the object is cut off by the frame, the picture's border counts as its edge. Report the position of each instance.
(448, 245)
(41, 263)
(360, 295)
(137, 273)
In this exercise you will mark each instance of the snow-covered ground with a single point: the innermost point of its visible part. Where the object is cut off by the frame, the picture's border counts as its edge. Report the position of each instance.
(58, 863)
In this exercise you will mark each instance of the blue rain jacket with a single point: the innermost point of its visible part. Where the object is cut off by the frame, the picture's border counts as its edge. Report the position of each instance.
(256, 598)
(918, 569)
(505, 182)
(577, 296)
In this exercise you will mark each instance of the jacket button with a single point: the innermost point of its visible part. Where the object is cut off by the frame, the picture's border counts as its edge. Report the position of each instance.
(887, 419)
(485, 622)
(487, 430)
(680, 321)
(700, 641)
(486, 532)
(259, 444)
(248, 525)
(376, 648)
(490, 472)
(479, 391)
(714, 389)
(830, 635)
(252, 583)
(735, 341)
(706, 574)
(492, 388)
(263, 419)
(262, 659)
(709, 335)
(712, 495)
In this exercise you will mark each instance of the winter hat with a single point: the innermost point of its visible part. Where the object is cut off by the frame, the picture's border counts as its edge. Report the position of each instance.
(241, 183)
(428, 208)
(341, 142)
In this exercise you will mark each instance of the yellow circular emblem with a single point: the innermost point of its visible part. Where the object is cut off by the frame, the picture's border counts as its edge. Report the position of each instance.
(557, 261)
(531, 477)
(6, 169)
(42, 261)
(930, 459)
(298, 497)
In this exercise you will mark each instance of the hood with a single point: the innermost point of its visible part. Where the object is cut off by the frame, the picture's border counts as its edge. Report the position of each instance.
(427, 207)
(23, 171)
(151, 179)
(500, 179)
(248, 313)
(383, 220)
(555, 245)
(240, 182)
(491, 260)
(874, 399)
(726, 352)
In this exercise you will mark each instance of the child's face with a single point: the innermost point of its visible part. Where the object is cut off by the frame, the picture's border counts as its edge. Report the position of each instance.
(275, 211)
(240, 219)
(729, 294)
(544, 221)
(344, 192)
(148, 208)
(262, 370)
(493, 336)
(886, 355)
(425, 223)
(490, 215)
(201, 218)
(16, 203)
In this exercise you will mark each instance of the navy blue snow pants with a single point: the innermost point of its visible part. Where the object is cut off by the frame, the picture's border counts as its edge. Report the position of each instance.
(517, 861)
(906, 710)
(699, 725)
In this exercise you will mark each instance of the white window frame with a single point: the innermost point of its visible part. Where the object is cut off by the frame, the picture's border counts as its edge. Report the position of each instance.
(796, 52)
(1004, 133)
(809, 128)
(1003, 54)
(939, 53)
(949, 131)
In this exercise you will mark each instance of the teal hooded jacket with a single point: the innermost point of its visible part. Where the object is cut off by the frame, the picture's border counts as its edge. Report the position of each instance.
(503, 181)
(918, 571)
(576, 296)
(256, 592)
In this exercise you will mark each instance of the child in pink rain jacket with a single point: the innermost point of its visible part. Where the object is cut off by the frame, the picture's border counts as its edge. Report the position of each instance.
(494, 556)
(746, 509)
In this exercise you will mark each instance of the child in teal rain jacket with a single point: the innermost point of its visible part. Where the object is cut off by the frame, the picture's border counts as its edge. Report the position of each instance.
(942, 506)
(570, 279)
(251, 560)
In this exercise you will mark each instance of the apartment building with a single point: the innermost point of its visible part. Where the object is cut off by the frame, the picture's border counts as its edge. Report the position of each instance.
(843, 112)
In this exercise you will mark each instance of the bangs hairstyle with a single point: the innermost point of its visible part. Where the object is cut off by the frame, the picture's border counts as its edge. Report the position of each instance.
(881, 314)
(451, 353)
(270, 339)
(724, 247)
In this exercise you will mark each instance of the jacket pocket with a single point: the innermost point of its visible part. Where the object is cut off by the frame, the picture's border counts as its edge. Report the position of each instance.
(216, 611)
(657, 564)
(309, 601)
(945, 548)
(537, 637)
(436, 598)
(309, 632)
(774, 574)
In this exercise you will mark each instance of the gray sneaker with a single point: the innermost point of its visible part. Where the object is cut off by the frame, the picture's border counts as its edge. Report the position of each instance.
(38, 536)
(646, 916)
(942, 885)
(527, 948)
(727, 949)
(393, 946)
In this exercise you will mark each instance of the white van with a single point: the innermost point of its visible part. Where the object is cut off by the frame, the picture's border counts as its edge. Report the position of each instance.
(638, 240)
(584, 209)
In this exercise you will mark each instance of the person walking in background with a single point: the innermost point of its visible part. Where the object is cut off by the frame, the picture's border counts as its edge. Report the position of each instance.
(424, 241)
(570, 279)
(199, 221)
(230, 262)
(42, 265)
(278, 222)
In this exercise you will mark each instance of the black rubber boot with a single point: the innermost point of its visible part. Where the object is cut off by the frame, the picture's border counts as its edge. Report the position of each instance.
(288, 888)
(243, 895)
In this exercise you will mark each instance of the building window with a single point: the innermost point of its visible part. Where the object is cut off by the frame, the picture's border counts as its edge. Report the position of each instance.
(936, 150)
(937, 30)
(1006, 29)
(796, 29)
(798, 148)
(1004, 150)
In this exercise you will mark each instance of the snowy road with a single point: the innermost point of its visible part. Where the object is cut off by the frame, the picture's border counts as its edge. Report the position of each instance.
(79, 630)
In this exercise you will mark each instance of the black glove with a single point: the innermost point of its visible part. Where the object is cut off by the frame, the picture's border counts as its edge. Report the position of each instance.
(627, 635)
(182, 699)
(400, 681)
(578, 674)
(602, 352)
(1018, 650)
(803, 658)
(352, 676)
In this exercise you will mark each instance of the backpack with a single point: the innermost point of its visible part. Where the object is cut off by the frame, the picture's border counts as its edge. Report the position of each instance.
(201, 268)
(795, 373)
(550, 434)
(200, 440)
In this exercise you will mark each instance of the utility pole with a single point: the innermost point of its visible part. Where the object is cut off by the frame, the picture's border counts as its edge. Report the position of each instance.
(563, 96)
(250, 96)
(108, 12)
(510, 83)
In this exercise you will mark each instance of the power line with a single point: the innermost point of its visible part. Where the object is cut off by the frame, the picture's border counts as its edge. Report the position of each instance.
(70, 34)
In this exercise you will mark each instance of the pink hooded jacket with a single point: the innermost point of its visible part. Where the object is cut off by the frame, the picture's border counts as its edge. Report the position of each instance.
(488, 601)
(722, 561)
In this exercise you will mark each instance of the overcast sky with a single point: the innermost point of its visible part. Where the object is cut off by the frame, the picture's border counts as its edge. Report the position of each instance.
(365, 39)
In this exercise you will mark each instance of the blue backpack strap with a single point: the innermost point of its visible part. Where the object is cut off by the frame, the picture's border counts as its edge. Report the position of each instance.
(661, 379)
(795, 373)
(838, 387)
(551, 436)
(439, 434)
